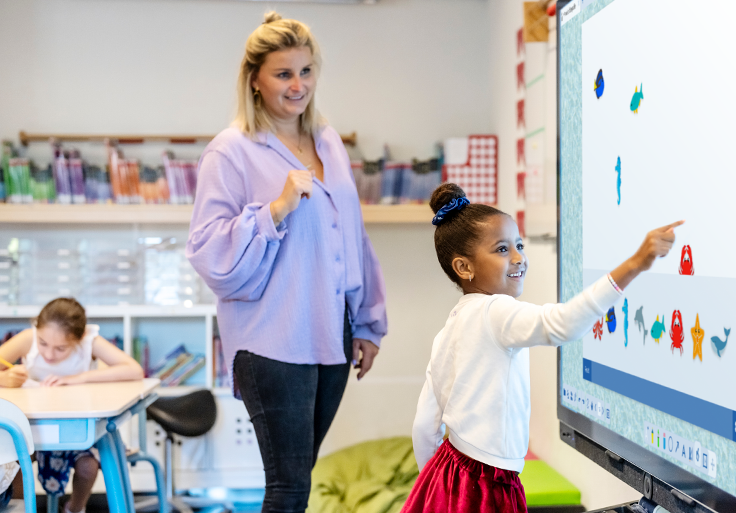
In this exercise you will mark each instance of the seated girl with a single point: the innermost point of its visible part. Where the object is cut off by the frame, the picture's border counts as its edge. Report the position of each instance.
(62, 349)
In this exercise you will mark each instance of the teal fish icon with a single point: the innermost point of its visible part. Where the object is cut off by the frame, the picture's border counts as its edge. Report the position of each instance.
(658, 329)
(636, 99)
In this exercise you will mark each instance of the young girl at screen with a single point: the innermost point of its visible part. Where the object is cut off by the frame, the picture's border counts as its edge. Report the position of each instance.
(477, 381)
(59, 350)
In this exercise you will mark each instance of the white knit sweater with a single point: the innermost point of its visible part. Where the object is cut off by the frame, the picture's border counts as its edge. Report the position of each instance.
(478, 376)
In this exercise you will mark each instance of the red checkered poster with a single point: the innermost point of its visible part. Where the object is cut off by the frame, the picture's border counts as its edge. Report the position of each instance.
(477, 174)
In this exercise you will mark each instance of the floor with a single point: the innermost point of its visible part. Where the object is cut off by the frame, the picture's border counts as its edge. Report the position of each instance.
(244, 501)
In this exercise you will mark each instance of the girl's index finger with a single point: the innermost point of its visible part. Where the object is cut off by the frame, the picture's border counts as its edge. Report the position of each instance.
(671, 227)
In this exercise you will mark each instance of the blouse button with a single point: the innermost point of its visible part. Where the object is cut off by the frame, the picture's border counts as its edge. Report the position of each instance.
(334, 225)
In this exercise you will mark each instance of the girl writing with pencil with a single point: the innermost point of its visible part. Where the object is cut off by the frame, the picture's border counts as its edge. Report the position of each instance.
(61, 349)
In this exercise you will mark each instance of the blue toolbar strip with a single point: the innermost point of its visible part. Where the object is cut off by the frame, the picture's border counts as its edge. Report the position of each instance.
(709, 416)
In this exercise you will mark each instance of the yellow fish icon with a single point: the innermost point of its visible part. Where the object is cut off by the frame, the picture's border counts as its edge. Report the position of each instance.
(698, 335)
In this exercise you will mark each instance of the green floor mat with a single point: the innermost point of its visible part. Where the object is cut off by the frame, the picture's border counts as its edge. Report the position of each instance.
(544, 486)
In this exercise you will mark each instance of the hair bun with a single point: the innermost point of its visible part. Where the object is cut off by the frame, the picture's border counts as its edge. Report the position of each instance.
(444, 194)
(270, 17)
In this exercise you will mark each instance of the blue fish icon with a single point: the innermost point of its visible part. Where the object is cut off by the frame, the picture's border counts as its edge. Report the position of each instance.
(618, 179)
(611, 320)
(636, 99)
(719, 344)
(599, 84)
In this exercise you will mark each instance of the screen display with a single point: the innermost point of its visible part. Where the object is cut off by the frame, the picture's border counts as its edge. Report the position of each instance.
(646, 139)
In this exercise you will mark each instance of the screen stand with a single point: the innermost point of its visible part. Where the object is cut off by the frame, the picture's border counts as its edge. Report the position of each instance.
(626, 507)
(671, 499)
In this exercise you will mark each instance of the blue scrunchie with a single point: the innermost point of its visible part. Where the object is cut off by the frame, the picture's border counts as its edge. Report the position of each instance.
(455, 205)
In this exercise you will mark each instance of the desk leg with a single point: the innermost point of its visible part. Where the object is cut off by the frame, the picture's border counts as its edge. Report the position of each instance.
(52, 503)
(112, 472)
(123, 462)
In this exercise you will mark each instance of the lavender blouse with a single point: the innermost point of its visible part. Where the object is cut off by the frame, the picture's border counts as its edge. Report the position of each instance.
(282, 290)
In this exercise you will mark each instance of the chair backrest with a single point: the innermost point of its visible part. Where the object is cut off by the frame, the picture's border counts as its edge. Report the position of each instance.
(9, 411)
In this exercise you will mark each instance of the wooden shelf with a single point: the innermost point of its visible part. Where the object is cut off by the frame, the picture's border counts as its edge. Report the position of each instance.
(25, 138)
(116, 311)
(39, 213)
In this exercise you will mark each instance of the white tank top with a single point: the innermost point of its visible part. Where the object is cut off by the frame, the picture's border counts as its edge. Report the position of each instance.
(79, 361)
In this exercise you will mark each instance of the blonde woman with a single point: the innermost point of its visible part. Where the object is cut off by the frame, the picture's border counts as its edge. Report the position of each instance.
(278, 235)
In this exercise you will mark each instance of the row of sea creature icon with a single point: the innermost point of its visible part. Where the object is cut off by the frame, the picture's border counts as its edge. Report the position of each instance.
(658, 330)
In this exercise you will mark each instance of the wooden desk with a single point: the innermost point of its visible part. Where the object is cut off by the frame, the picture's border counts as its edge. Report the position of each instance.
(92, 400)
(82, 416)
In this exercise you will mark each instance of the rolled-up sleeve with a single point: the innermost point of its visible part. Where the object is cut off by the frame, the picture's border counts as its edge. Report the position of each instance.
(231, 246)
(371, 322)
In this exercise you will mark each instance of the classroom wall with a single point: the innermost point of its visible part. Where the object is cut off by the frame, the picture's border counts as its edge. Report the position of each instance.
(599, 489)
(403, 72)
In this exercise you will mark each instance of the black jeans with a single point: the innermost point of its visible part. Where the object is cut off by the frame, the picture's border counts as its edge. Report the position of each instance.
(291, 407)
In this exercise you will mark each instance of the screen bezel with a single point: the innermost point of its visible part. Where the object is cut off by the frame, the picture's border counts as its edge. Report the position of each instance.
(659, 468)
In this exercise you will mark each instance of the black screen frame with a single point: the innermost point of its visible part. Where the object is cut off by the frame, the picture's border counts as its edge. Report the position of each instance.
(623, 458)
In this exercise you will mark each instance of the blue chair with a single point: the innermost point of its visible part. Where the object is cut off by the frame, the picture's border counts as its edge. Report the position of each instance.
(16, 443)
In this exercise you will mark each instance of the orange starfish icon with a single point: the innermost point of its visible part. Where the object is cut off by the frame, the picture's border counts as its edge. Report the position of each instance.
(698, 335)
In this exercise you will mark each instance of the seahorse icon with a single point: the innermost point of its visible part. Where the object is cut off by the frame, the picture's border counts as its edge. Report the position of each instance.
(625, 310)
(618, 179)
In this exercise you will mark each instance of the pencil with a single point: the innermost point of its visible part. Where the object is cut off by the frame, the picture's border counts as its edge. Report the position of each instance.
(7, 363)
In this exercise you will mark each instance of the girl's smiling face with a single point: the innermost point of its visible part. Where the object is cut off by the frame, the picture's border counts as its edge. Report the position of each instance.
(53, 343)
(498, 265)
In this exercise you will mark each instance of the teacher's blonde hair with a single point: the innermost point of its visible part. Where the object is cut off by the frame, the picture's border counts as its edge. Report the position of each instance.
(272, 35)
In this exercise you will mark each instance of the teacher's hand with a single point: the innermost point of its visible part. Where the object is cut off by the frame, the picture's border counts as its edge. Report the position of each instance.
(369, 350)
(298, 185)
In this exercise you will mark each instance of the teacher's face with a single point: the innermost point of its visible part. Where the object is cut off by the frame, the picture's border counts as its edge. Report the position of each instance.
(286, 80)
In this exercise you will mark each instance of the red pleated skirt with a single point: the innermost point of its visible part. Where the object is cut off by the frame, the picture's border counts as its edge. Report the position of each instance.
(452, 482)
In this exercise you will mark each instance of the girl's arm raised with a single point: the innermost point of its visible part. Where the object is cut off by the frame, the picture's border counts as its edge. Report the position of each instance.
(120, 367)
(15, 348)
(518, 324)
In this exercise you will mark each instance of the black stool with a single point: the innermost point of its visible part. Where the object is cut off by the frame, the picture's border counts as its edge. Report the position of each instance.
(189, 415)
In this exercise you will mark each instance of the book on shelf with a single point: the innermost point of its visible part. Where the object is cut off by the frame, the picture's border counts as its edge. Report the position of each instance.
(174, 364)
(168, 358)
(184, 371)
(177, 366)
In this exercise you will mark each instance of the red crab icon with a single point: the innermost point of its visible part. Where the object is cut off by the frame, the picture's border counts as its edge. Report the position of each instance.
(676, 333)
(686, 261)
(598, 329)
